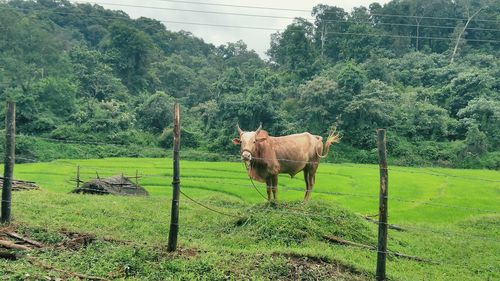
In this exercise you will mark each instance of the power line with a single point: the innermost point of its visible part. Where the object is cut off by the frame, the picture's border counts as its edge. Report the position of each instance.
(277, 29)
(326, 21)
(270, 16)
(236, 6)
(309, 11)
(185, 10)
(436, 18)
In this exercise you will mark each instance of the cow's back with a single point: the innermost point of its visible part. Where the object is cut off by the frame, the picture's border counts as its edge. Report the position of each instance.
(295, 151)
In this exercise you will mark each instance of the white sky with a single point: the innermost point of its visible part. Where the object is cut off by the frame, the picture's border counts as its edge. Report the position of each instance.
(255, 39)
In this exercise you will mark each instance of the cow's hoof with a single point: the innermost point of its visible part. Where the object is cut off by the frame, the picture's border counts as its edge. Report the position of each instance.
(272, 203)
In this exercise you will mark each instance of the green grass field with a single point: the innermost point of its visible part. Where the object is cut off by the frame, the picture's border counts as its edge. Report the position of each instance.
(451, 217)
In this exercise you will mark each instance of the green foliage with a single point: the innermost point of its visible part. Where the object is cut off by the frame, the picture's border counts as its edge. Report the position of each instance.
(322, 101)
(156, 112)
(476, 142)
(188, 139)
(293, 49)
(80, 72)
(327, 38)
(360, 47)
(30, 148)
(351, 79)
(131, 51)
(368, 111)
(483, 114)
(466, 87)
(95, 78)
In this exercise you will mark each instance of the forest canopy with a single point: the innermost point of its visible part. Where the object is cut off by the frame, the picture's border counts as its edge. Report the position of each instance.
(425, 70)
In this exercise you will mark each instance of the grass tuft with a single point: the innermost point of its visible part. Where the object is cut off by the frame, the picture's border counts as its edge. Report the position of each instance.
(293, 223)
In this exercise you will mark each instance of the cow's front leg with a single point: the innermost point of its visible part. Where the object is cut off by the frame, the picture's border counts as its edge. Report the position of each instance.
(269, 186)
(274, 181)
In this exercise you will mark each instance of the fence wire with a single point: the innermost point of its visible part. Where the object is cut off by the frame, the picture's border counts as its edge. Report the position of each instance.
(374, 197)
(369, 247)
(362, 195)
(301, 212)
(237, 158)
(71, 141)
(246, 211)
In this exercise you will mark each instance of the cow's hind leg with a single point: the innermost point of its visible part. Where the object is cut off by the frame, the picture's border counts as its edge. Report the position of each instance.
(269, 185)
(306, 179)
(311, 179)
(274, 181)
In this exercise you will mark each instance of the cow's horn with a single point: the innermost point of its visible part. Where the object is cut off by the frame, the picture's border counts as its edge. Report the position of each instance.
(258, 129)
(240, 131)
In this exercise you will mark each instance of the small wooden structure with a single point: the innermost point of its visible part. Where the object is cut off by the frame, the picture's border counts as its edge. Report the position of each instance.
(20, 185)
(115, 185)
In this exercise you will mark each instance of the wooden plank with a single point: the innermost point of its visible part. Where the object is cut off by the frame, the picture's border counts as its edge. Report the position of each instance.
(24, 239)
(11, 245)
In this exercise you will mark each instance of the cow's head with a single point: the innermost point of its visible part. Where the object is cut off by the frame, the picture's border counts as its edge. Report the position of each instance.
(249, 142)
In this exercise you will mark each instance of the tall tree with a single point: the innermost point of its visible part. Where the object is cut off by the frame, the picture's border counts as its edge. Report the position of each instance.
(331, 23)
(294, 49)
(470, 13)
(132, 52)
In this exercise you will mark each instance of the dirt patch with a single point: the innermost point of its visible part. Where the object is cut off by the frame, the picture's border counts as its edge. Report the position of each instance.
(181, 252)
(305, 267)
(8, 228)
(76, 240)
(188, 252)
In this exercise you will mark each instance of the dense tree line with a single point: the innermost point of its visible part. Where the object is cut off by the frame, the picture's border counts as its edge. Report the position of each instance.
(426, 70)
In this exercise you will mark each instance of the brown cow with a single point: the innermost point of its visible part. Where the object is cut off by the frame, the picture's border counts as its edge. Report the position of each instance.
(266, 156)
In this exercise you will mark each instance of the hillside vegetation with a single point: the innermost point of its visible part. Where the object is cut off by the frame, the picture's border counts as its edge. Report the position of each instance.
(79, 72)
(450, 216)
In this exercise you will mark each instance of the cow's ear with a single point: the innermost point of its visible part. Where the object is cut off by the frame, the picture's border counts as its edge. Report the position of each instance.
(236, 141)
(261, 139)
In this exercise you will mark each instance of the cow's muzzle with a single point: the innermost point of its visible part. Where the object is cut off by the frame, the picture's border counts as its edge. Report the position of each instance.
(246, 156)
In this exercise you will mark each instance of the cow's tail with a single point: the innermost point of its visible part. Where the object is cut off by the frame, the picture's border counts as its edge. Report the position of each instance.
(333, 137)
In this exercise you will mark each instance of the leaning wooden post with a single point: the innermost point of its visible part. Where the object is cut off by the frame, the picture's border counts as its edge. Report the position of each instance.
(382, 224)
(78, 176)
(174, 217)
(10, 149)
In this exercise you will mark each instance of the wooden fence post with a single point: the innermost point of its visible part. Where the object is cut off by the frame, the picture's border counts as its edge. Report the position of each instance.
(10, 151)
(382, 224)
(174, 217)
(78, 176)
